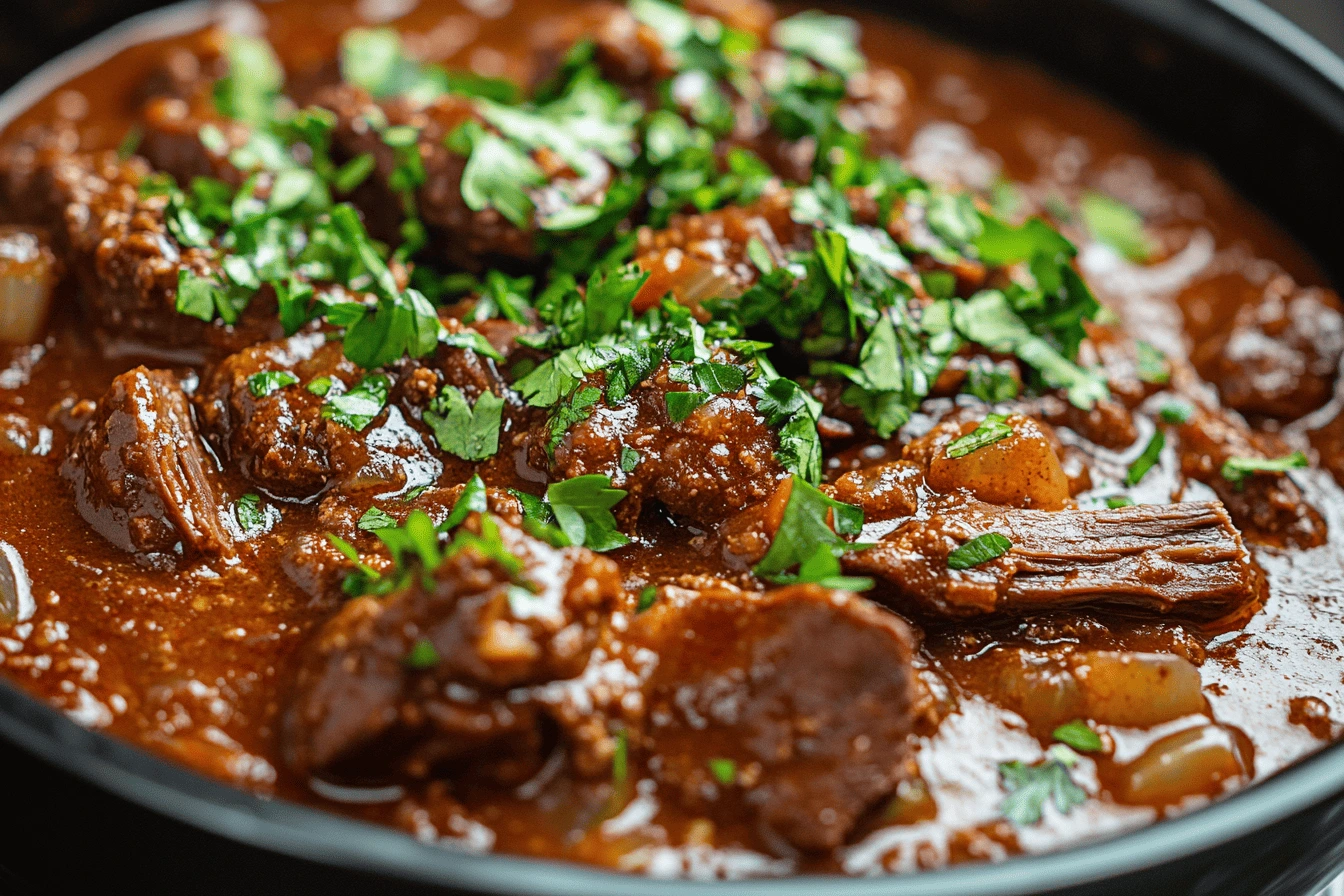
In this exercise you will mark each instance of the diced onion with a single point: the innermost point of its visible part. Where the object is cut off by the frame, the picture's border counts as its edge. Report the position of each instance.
(1194, 761)
(27, 278)
(1137, 690)
(16, 593)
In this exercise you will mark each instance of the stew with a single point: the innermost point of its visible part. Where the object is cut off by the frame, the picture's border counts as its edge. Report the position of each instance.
(701, 441)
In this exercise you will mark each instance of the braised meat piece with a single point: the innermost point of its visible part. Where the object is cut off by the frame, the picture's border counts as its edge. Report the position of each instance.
(122, 256)
(1184, 559)
(457, 234)
(718, 460)
(1268, 507)
(794, 706)
(400, 685)
(140, 474)
(290, 437)
(1280, 355)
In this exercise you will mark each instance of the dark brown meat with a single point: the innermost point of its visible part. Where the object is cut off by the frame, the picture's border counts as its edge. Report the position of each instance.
(717, 461)
(281, 440)
(141, 475)
(172, 141)
(801, 696)
(124, 260)
(1280, 355)
(359, 704)
(457, 234)
(1267, 507)
(1184, 559)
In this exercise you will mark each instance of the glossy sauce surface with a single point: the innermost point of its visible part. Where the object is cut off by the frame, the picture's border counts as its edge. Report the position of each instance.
(196, 664)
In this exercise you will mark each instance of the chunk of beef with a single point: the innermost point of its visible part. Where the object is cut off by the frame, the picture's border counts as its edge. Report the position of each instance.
(398, 686)
(172, 141)
(124, 260)
(457, 234)
(1184, 559)
(1268, 507)
(794, 706)
(141, 475)
(283, 440)
(718, 460)
(1280, 355)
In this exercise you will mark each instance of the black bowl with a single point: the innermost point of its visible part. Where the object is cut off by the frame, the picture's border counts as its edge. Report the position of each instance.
(1226, 78)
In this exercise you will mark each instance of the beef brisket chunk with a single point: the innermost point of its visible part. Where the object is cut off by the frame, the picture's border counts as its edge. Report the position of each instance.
(141, 475)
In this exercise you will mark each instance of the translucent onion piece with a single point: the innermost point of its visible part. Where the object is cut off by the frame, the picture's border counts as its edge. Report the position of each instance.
(27, 277)
(16, 593)
(1194, 761)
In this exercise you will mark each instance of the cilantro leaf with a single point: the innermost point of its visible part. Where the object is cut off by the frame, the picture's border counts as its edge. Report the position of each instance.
(472, 500)
(582, 510)
(252, 516)
(1153, 366)
(1146, 459)
(423, 656)
(357, 408)
(375, 519)
(811, 520)
(1237, 470)
(471, 433)
(268, 381)
(980, 549)
(1031, 786)
(992, 429)
(1116, 225)
(1078, 735)
(830, 41)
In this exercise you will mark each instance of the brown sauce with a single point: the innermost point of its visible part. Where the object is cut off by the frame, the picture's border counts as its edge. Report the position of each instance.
(196, 663)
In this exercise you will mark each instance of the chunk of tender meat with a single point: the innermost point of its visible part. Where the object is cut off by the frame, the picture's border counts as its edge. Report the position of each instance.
(1280, 356)
(457, 234)
(141, 475)
(808, 694)
(278, 440)
(1267, 507)
(282, 441)
(172, 141)
(1184, 559)
(124, 260)
(359, 707)
(717, 461)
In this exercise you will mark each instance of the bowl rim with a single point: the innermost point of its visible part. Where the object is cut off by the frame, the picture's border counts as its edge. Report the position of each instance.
(1314, 75)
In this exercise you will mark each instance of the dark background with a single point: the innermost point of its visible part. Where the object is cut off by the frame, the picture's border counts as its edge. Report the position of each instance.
(44, 808)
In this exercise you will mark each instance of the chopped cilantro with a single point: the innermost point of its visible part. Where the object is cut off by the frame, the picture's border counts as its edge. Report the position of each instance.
(1116, 225)
(582, 510)
(251, 515)
(629, 459)
(1153, 366)
(1176, 412)
(320, 385)
(473, 499)
(1115, 502)
(1146, 459)
(1031, 786)
(831, 41)
(992, 429)
(357, 408)
(268, 381)
(423, 656)
(980, 549)
(1078, 735)
(1237, 470)
(812, 523)
(681, 405)
(723, 770)
(466, 431)
(375, 519)
(647, 595)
